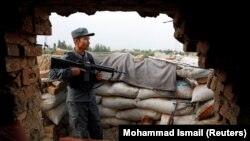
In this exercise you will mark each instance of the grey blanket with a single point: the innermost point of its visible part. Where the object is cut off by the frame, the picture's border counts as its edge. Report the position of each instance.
(149, 73)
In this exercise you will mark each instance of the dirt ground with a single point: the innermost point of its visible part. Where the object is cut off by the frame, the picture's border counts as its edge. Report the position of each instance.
(111, 134)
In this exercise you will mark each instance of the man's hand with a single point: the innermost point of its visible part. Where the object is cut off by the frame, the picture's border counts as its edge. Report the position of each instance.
(98, 75)
(76, 71)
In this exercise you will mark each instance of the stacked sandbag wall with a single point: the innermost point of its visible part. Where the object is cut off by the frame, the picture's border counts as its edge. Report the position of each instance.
(191, 103)
(53, 104)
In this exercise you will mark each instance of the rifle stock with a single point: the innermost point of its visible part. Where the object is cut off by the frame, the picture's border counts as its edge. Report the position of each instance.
(58, 63)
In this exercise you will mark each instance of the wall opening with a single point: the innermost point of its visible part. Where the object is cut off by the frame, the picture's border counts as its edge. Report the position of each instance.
(110, 29)
(117, 30)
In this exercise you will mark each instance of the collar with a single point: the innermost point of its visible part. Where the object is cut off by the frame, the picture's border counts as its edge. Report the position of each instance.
(80, 55)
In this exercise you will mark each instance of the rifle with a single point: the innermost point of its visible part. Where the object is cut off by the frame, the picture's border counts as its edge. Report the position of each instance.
(57, 63)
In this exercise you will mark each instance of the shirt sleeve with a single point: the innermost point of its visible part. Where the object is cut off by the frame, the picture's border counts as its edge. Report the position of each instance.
(63, 75)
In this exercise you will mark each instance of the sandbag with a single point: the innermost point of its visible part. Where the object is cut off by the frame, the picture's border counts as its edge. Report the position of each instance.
(183, 90)
(98, 99)
(192, 72)
(117, 89)
(205, 110)
(147, 93)
(106, 112)
(202, 93)
(167, 106)
(115, 121)
(202, 80)
(56, 114)
(138, 114)
(177, 120)
(189, 120)
(214, 120)
(118, 102)
(50, 101)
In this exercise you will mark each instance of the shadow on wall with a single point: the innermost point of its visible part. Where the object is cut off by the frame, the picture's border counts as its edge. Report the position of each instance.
(7, 104)
(10, 129)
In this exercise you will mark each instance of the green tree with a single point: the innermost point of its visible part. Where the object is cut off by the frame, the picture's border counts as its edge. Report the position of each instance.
(62, 45)
(145, 53)
(100, 48)
(69, 47)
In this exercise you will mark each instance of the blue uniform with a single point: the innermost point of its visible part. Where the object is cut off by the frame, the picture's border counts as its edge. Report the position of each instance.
(84, 116)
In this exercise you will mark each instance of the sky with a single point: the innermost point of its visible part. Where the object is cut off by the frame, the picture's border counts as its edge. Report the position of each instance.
(117, 30)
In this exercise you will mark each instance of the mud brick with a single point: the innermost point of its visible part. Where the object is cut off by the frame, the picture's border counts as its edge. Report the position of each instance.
(44, 74)
(27, 26)
(50, 131)
(30, 76)
(213, 83)
(13, 50)
(54, 90)
(202, 80)
(221, 75)
(15, 64)
(47, 122)
(220, 86)
(209, 81)
(225, 110)
(42, 22)
(20, 38)
(44, 90)
(31, 90)
(32, 61)
(230, 111)
(58, 84)
(16, 78)
(228, 93)
(202, 61)
(202, 47)
(48, 139)
(32, 51)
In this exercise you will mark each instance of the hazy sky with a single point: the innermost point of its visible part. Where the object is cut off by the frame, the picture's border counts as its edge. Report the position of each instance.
(117, 30)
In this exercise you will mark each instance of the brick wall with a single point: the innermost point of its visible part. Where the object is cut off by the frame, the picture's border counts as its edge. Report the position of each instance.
(225, 99)
(219, 49)
(21, 66)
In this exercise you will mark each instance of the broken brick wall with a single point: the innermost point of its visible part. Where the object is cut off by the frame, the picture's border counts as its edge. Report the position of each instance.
(20, 71)
(210, 31)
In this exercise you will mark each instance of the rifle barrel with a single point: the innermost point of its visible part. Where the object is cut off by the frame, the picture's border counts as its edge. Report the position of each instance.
(57, 63)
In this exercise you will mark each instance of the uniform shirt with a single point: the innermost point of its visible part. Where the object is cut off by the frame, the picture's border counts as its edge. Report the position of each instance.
(80, 88)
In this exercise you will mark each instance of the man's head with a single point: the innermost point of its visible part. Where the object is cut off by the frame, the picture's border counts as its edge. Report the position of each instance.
(81, 38)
